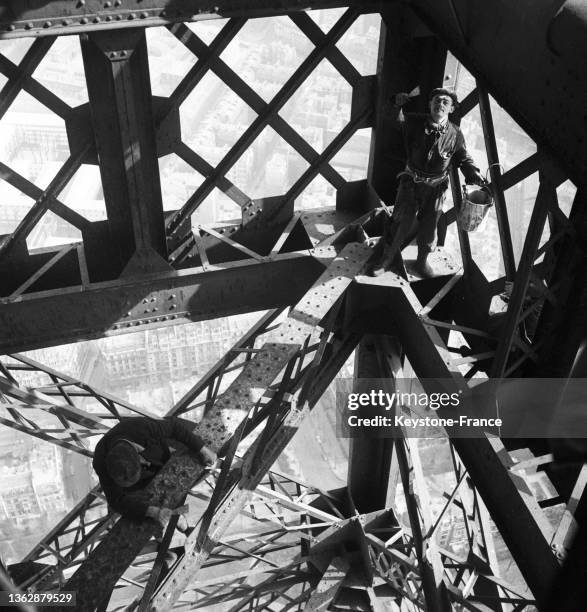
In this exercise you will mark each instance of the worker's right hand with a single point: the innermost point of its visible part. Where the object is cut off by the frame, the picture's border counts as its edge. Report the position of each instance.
(162, 515)
(401, 99)
(207, 456)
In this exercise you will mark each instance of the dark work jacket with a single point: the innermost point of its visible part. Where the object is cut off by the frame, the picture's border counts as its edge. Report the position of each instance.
(132, 502)
(431, 154)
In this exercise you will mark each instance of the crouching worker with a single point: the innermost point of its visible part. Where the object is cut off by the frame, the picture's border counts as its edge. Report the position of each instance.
(128, 457)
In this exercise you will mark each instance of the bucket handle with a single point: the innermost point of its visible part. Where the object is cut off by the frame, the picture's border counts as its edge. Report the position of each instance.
(486, 186)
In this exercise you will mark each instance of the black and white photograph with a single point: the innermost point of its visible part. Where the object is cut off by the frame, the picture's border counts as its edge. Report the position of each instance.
(293, 305)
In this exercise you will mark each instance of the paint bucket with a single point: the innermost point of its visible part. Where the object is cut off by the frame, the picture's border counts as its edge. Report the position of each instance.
(473, 212)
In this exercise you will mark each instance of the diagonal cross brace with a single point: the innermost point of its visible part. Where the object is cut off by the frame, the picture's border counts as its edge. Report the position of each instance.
(97, 576)
(512, 505)
(259, 123)
(301, 322)
(328, 586)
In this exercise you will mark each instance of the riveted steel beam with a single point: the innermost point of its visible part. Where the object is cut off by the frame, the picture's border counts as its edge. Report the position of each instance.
(69, 542)
(294, 332)
(369, 458)
(119, 90)
(107, 562)
(510, 502)
(60, 17)
(53, 317)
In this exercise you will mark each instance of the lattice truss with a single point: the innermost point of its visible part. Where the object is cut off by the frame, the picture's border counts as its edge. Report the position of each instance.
(185, 246)
(320, 548)
(294, 546)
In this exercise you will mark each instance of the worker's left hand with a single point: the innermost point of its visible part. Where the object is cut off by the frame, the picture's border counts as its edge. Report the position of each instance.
(476, 179)
(207, 456)
(161, 514)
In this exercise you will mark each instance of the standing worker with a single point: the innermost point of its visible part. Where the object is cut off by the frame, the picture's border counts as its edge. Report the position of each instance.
(129, 455)
(432, 143)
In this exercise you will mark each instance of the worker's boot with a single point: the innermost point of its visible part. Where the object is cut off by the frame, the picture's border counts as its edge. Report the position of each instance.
(391, 252)
(422, 266)
(383, 265)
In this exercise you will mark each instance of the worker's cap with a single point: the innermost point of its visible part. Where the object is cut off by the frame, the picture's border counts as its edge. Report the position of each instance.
(123, 464)
(442, 91)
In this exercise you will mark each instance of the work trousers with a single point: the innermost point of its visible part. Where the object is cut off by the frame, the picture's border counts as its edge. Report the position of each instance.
(423, 201)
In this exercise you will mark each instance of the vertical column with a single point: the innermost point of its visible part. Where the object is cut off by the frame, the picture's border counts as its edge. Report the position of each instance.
(409, 56)
(119, 90)
(545, 199)
(369, 456)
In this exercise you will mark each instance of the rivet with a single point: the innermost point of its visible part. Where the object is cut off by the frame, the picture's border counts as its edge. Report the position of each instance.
(117, 2)
(107, 4)
(153, 299)
(83, 20)
(172, 307)
(11, 27)
(97, 19)
(108, 17)
(81, 2)
(29, 25)
(47, 24)
(163, 14)
(65, 22)
(172, 296)
(144, 15)
(145, 300)
(118, 17)
(155, 310)
(132, 16)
